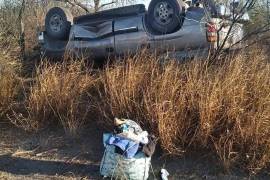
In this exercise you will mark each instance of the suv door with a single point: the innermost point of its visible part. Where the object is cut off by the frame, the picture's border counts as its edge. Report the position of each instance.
(93, 39)
(130, 35)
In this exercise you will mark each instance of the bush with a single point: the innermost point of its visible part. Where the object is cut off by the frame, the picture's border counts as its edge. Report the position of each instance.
(58, 96)
(9, 83)
(222, 107)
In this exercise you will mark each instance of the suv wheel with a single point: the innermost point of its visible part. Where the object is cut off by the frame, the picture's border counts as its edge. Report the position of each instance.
(164, 16)
(58, 23)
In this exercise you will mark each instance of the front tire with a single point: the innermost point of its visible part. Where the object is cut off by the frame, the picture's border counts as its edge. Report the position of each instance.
(164, 16)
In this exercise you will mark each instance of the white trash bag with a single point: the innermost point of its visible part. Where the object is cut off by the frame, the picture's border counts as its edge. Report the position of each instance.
(118, 166)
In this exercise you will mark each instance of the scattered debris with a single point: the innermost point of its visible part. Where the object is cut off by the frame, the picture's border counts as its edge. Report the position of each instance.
(164, 174)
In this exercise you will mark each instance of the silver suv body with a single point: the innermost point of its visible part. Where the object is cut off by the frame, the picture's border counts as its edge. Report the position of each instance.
(127, 29)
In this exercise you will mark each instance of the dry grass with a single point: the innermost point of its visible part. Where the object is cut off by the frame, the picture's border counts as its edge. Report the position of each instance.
(9, 83)
(59, 95)
(223, 108)
(61, 90)
(194, 106)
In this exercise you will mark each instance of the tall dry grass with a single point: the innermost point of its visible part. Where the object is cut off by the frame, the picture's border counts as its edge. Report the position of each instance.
(8, 91)
(59, 95)
(222, 107)
(197, 105)
(9, 83)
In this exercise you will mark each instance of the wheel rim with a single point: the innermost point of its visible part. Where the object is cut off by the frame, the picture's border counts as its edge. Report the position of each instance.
(163, 13)
(56, 23)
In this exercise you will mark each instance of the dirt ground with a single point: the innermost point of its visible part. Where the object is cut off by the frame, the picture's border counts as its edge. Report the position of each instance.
(50, 154)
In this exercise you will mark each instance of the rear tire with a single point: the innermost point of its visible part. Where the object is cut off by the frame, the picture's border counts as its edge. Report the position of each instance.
(164, 16)
(58, 23)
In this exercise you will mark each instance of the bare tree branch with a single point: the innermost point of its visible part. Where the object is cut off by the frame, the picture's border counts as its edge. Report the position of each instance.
(76, 3)
(235, 18)
(96, 7)
(260, 30)
(106, 4)
(21, 31)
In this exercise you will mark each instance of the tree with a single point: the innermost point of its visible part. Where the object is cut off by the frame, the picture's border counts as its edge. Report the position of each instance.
(260, 14)
(21, 30)
(96, 5)
(12, 26)
(261, 27)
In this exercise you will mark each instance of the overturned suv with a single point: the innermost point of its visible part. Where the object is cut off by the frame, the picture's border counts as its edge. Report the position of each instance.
(162, 26)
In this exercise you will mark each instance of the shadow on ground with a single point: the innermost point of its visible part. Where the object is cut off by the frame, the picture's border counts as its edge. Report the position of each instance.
(52, 155)
(21, 166)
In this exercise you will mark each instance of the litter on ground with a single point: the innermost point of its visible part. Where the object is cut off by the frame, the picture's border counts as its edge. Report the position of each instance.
(128, 151)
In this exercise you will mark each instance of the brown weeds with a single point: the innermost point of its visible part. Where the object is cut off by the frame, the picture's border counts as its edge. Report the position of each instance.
(59, 95)
(9, 83)
(222, 107)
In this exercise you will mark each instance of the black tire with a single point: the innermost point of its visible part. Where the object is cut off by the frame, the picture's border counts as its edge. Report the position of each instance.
(164, 16)
(58, 23)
